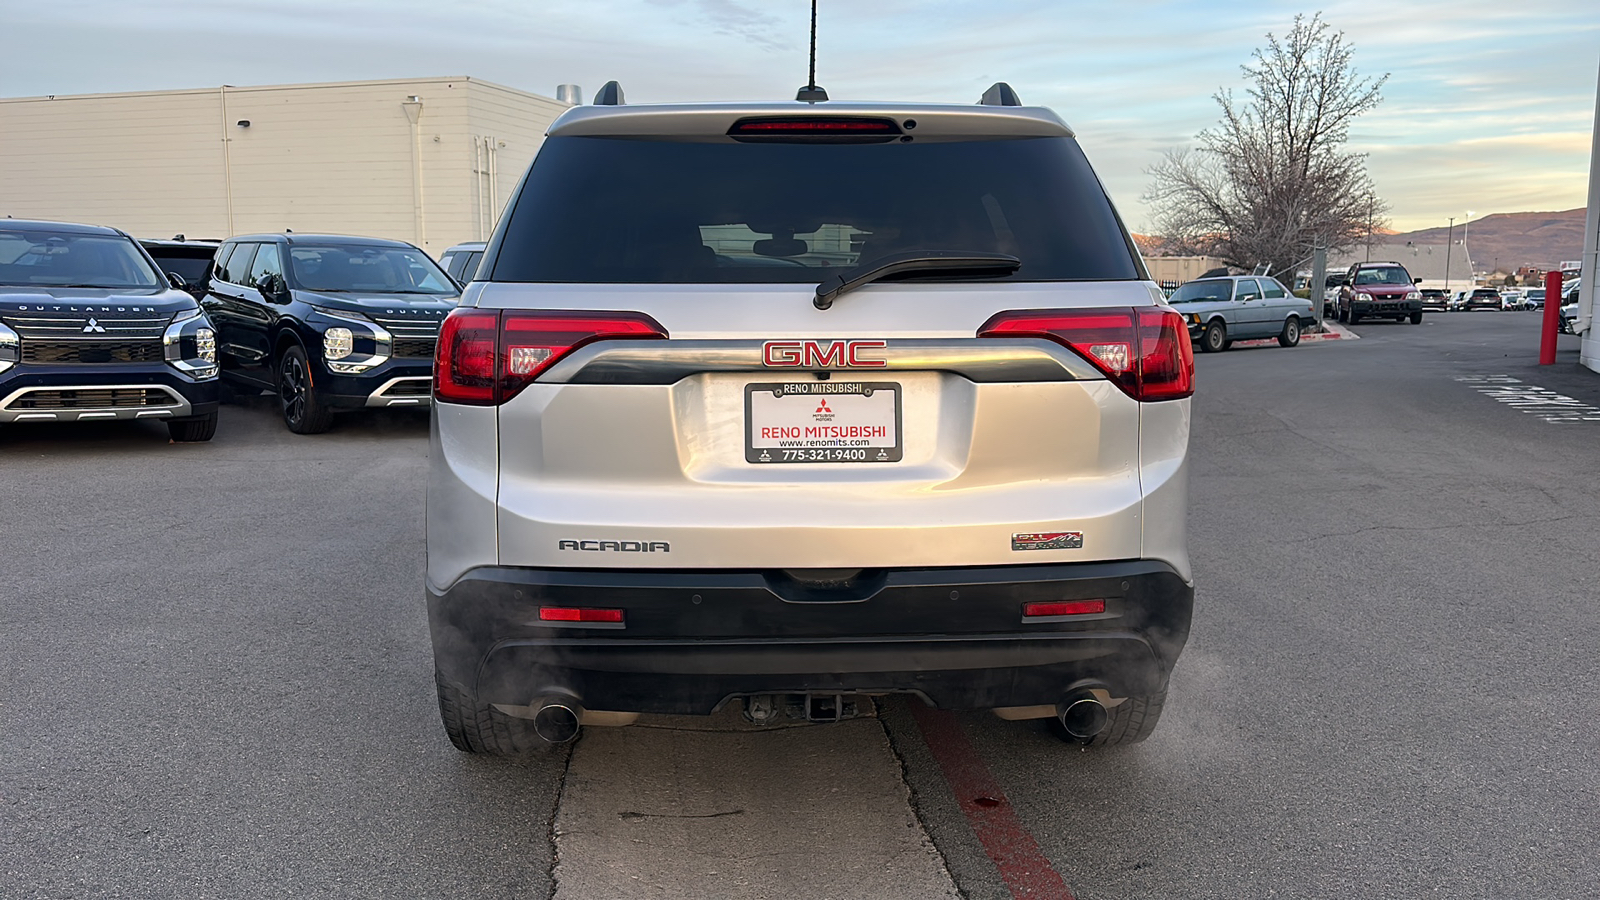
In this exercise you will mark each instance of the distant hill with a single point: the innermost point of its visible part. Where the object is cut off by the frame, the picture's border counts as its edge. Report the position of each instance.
(1540, 239)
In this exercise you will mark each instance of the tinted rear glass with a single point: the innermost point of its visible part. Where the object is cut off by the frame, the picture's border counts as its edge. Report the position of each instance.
(193, 264)
(612, 210)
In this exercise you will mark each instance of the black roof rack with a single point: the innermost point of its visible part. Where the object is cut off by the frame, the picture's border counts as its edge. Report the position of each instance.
(1000, 94)
(610, 94)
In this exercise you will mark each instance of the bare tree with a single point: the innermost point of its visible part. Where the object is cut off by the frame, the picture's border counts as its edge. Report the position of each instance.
(1273, 177)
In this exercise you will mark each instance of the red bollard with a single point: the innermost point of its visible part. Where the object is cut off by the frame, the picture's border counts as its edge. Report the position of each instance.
(1552, 319)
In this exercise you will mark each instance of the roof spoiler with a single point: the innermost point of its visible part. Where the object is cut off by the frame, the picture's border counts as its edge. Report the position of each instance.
(1000, 94)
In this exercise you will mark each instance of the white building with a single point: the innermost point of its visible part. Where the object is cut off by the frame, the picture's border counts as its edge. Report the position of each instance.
(428, 160)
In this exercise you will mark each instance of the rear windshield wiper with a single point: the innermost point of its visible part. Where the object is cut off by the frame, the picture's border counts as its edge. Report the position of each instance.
(937, 263)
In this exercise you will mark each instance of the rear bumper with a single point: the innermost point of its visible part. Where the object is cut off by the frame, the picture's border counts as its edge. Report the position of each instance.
(691, 640)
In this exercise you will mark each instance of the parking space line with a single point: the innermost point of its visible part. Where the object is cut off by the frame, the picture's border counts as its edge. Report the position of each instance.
(1023, 867)
(1542, 402)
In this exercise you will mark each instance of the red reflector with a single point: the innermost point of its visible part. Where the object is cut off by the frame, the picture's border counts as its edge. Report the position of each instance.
(569, 614)
(1063, 608)
(1144, 350)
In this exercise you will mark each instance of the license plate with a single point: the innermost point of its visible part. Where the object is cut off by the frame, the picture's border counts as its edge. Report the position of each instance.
(822, 422)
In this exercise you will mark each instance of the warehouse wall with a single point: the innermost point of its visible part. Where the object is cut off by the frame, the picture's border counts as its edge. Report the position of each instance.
(149, 162)
(323, 157)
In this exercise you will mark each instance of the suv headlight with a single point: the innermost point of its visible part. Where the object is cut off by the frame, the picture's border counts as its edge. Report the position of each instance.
(355, 344)
(338, 342)
(190, 345)
(1414, 295)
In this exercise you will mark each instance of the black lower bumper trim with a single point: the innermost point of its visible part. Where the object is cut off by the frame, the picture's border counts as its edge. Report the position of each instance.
(691, 640)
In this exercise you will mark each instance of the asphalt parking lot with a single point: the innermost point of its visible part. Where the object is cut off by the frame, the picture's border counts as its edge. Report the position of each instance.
(215, 677)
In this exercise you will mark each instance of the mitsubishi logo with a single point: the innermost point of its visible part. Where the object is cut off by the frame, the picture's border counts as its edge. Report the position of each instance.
(94, 327)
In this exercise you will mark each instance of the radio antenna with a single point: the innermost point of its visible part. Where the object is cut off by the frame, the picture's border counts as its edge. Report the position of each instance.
(811, 93)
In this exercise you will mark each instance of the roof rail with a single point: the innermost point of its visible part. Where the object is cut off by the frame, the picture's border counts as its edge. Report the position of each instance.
(610, 94)
(1000, 94)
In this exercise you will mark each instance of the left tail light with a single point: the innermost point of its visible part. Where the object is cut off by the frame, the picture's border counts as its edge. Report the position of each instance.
(1144, 350)
(486, 357)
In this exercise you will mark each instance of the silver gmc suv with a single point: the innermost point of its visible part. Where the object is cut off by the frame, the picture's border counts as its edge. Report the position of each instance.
(785, 405)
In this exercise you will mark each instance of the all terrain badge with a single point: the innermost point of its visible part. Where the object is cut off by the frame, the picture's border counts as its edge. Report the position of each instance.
(1052, 540)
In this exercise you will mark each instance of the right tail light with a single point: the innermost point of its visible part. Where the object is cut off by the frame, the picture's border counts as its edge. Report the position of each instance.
(1144, 350)
(486, 357)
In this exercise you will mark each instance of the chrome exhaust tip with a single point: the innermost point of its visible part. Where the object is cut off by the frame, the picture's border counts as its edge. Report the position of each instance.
(557, 720)
(1082, 715)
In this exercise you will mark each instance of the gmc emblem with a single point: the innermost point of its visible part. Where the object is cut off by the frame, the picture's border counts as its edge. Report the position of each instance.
(822, 354)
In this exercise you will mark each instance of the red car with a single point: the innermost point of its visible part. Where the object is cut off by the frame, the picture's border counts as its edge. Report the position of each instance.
(1379, 290)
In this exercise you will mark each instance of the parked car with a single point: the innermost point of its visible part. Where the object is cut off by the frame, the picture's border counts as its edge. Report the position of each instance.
(1568, 314)
(91, 329)
(1511, 299)
(189, 260)
(1330, 293)
(1478, 298)
(461, 261)
(1379, 290)
(1533, 298)
(1435, 299)
(667, 476)
(328, 322)
(1220, 311)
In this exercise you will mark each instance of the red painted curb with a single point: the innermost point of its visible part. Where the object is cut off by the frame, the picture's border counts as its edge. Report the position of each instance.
(1270, 342)
(1024, 869)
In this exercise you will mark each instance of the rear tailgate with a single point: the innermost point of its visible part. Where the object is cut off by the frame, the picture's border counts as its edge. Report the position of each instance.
(995, 446)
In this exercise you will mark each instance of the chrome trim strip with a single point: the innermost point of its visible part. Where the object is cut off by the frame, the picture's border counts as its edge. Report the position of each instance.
(180, 407)
(983, 360)
(377, 398)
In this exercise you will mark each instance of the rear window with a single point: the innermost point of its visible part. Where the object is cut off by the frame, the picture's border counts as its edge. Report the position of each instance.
(616, 210)
(193, 263)
(1202, 292)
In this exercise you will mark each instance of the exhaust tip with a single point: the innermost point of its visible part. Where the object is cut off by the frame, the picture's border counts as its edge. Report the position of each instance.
(1082, 715)
(557, 721)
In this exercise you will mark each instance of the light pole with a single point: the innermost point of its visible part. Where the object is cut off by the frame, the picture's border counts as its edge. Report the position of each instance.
(1449, 241)
(1465, 250)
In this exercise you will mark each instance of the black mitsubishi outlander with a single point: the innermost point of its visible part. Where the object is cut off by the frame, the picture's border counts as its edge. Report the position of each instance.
(328, 322)
(91, 330)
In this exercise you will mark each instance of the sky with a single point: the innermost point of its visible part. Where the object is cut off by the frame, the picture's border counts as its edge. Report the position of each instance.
(1489, 106)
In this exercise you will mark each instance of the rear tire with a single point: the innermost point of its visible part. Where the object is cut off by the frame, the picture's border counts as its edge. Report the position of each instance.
(1129, 722)
(1215, 338)
(192, 431)
(1290, 335)
(475, 727)
(303, 410)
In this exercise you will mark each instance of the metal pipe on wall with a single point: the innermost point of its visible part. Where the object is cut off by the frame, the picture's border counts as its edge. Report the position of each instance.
(413, 109)
(227, 155)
